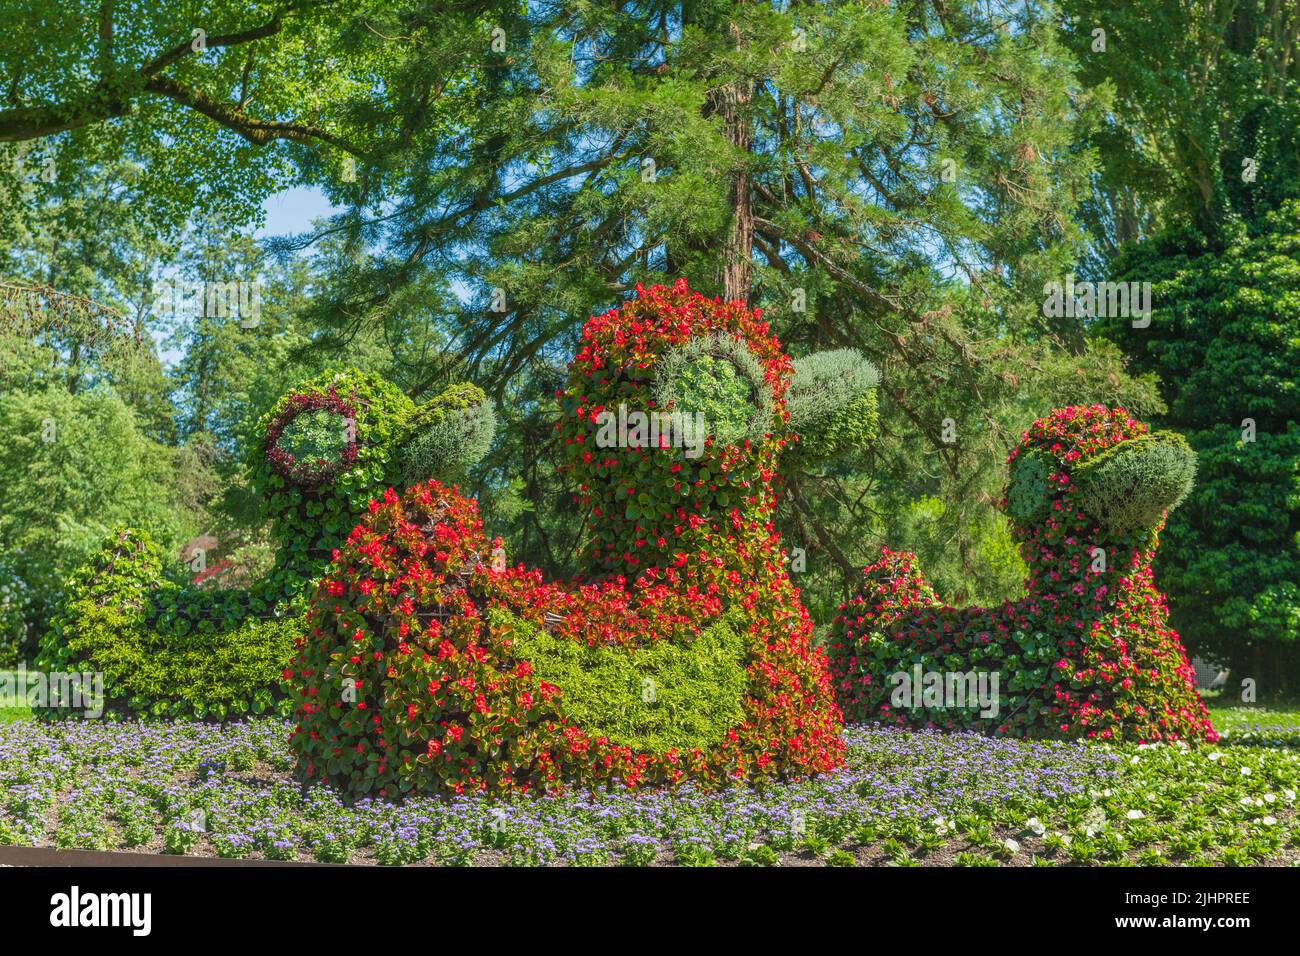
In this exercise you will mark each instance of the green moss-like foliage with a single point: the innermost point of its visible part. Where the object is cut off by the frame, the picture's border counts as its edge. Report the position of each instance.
(111, 624)
(448, 433)
(717, 377)
(170, 649)
(832, 404)
(652, 698)
(1129, 486)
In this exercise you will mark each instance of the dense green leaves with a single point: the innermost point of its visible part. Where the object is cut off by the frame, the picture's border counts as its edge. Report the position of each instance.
(71, 466)
(654, 698)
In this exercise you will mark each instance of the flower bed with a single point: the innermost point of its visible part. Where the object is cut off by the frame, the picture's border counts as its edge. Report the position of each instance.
(903, 797)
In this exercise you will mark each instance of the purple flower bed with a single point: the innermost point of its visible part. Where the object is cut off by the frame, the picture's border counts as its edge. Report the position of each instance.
(227, 790)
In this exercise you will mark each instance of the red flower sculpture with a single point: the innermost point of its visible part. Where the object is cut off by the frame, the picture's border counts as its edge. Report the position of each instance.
(684, 654)
(1088, 651)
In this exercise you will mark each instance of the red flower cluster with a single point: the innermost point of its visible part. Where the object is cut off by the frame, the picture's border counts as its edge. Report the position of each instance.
(436, 700)
(1086, 653)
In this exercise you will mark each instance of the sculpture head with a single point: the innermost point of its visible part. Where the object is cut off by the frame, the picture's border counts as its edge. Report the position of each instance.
(676, 411)
(335, 441)
(1095, 474)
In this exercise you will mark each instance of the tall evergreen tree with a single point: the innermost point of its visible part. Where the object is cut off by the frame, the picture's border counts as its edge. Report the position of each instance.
(895, 177)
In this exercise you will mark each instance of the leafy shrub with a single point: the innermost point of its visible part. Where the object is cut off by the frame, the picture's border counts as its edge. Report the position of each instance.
(110, 623)
(425, 670)
(1087, 652)
(30, 585)
(73, 467)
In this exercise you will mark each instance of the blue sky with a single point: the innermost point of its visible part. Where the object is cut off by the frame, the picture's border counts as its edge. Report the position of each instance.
(292, 211)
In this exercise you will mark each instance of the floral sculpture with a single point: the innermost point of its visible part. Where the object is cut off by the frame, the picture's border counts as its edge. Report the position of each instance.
(1088, 651)
(683, 654)
(169, 649)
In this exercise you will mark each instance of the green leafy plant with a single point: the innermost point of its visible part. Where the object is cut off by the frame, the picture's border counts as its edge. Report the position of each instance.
(656, 697)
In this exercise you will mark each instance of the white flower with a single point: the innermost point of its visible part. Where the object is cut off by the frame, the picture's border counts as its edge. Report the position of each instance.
(1245, 771)
(1288, 795)
(1011, 845)
(1269, 821)
(1270, 798)
(1135, 814)
(1036, 826)
(1245, 801)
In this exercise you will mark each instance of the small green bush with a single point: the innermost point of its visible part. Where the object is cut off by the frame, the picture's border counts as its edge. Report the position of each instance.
(652, 698)
(214, 668)
(1131, 485)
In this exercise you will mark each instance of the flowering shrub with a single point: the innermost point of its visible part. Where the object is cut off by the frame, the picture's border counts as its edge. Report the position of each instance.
(168, 648)
(684, 654)
(1088, 651)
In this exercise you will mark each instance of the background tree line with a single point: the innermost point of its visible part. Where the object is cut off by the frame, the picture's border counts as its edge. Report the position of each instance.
(900, 177)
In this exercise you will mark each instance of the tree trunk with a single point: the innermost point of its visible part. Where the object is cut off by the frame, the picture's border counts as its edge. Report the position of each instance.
(731, 102)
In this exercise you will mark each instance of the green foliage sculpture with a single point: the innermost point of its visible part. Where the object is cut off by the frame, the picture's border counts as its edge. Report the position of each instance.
(169, 649)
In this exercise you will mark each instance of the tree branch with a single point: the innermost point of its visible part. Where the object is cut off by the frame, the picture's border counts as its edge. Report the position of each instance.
(256, 131)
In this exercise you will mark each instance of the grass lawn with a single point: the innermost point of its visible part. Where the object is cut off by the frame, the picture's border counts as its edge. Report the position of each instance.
(904, 799)
(8, 714)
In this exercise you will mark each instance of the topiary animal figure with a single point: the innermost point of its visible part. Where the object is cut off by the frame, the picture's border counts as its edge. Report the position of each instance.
(1088, 651)
(169, 649)
(682, 654)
